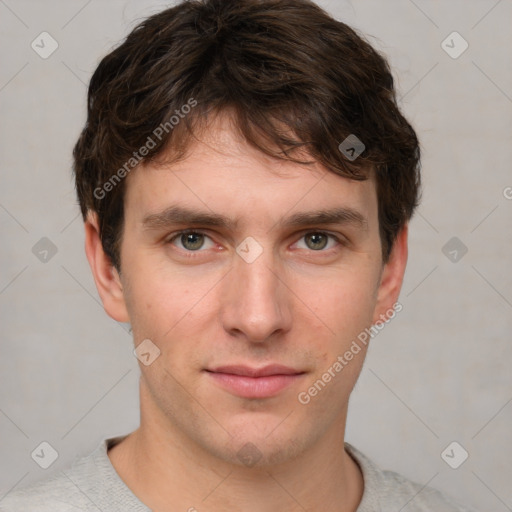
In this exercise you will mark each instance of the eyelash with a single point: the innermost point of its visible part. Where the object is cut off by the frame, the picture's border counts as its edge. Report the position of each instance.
(192, 254)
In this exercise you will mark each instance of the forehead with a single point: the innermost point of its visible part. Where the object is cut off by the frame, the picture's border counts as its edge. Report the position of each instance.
(222, 173)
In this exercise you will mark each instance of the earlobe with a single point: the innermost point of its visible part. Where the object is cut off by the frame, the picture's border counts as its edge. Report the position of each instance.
(106, 277)
(392, 277)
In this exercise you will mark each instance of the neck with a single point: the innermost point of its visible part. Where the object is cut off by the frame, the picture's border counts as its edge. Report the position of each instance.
(166, 470)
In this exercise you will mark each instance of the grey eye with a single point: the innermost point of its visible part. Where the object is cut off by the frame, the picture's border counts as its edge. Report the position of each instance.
(316, 241)
(192, 241)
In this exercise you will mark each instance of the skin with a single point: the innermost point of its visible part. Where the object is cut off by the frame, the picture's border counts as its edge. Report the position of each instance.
(299, 304)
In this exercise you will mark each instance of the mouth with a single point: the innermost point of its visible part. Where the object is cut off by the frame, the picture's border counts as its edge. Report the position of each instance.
(249, 382)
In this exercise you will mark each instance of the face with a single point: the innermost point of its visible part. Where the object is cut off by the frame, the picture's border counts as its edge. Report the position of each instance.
(256, 302)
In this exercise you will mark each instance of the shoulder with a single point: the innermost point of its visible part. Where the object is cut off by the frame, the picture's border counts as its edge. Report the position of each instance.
(57, 493)
(388, 491)
(88, 484)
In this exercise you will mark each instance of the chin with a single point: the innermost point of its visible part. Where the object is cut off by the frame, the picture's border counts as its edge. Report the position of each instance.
(255, 447)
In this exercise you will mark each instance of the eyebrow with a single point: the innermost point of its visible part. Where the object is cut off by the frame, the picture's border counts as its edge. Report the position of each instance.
(181, 215)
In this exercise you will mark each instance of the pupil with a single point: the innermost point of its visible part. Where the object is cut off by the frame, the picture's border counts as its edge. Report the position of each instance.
(315, 238)
(188, 240)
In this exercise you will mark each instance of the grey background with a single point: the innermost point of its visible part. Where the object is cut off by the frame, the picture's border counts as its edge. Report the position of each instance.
(439, 372)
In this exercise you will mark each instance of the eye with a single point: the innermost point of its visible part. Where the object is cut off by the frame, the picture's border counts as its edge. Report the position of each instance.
(318, 240)
(194, 240)
(191, 241)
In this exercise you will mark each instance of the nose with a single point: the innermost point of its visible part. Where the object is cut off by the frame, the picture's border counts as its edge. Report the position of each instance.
(256, 303)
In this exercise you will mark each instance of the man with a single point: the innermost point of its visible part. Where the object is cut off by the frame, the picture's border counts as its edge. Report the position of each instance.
(246, 181)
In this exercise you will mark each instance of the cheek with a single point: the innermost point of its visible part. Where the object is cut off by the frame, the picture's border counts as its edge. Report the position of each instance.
(158, 298)
(172, 311)
(342, 305)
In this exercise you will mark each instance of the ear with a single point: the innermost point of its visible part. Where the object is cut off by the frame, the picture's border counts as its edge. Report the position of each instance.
(106, 277)
(392, 276)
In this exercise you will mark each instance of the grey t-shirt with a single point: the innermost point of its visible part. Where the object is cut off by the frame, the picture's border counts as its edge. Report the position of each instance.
(91, 484)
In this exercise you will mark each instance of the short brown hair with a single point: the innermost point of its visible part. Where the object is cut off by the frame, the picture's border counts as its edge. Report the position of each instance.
(273, 63)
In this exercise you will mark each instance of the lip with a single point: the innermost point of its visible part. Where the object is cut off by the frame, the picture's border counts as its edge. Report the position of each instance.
(248, 382)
